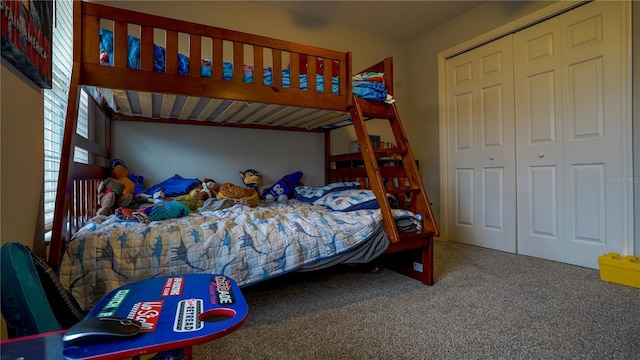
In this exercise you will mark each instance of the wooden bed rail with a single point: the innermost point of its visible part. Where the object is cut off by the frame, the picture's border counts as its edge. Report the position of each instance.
(385, 66)
(79, 203)
(145, 26)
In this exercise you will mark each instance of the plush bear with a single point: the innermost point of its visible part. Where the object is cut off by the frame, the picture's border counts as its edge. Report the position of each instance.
(110, 196)
(208, 189)
(121, 173)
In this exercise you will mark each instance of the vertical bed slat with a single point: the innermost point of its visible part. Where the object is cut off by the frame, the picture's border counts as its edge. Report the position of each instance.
(195, 54)
(345, 77)
(294, 70)
(171, 54)
(90, 40)
(277, 68)
(238, 62)
(328, 72)
(258, 65)
(91, 203)
(120, 45)
(216, 71)
(76, 205)
(146, 53)
(311, 73)
(342, 78)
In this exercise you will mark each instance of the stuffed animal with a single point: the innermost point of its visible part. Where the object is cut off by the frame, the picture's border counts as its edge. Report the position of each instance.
(283, 188)
(193, 195)
(138, 182)
(252, 179)
(110, 196)
(208, 189)
(158, 196)
(239, 194)
(120, 172)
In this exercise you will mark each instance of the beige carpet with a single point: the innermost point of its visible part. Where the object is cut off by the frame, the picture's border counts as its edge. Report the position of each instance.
(485, 304)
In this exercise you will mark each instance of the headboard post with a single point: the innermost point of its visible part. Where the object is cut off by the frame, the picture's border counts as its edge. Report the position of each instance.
(63, 192)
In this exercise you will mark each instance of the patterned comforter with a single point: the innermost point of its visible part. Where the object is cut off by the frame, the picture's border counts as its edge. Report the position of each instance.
(248, 244)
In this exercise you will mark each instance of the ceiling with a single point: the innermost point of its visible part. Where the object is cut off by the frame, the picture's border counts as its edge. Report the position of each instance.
(402, 20)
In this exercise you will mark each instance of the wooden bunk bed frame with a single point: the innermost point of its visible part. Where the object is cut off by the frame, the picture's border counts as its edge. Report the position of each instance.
(76, 202)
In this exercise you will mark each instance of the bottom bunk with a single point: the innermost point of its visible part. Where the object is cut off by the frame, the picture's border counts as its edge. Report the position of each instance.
(248, 243)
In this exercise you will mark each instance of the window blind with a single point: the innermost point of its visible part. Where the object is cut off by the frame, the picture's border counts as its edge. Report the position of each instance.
(55, 105)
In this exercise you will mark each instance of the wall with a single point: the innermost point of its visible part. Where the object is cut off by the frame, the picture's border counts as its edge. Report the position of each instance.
(21, 158)
(217, 152)
(21, 153)
(222, 152)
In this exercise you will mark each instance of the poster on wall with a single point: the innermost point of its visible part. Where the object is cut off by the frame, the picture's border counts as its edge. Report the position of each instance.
(27, 37)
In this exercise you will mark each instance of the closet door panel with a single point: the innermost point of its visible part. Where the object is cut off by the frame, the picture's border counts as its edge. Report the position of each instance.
(569, 119)
(593, 136)
(482, 146)
(538, 86)
(543, 201)
(465, 196)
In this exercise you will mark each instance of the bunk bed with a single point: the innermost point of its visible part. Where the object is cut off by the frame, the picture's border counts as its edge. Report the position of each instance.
(291, 94)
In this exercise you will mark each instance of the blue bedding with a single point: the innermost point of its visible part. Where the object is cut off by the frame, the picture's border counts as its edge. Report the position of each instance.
(372, 90)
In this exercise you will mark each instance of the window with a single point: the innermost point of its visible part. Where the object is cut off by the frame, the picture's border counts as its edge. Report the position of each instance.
(55, 105)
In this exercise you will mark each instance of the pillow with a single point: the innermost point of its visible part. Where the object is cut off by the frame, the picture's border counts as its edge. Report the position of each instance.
(205, 67)
(183, 64)
(158, 58)
(313, 193)
(106, 47)
(351, 199)
(174, 186)
(133, 56)
(159, 65)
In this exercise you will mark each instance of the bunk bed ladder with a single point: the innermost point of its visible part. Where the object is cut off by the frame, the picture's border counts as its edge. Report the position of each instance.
(422, 241)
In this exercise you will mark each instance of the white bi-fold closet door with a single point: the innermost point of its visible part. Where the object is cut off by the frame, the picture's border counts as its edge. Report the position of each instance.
(482, 155)
(535, 128)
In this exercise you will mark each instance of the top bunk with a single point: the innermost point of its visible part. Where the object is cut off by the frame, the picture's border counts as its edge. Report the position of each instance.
(144, 67)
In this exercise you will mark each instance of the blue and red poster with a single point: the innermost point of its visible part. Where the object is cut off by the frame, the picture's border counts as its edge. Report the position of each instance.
(27, 37)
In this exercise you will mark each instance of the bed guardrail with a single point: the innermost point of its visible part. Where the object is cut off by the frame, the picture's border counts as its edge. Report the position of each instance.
(215, 44)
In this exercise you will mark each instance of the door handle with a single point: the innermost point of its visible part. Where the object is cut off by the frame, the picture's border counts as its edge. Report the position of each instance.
(541, 155)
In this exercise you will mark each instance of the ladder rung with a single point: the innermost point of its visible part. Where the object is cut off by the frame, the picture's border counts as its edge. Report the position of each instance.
(403, 191)
(375, 109)
(380, 155)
